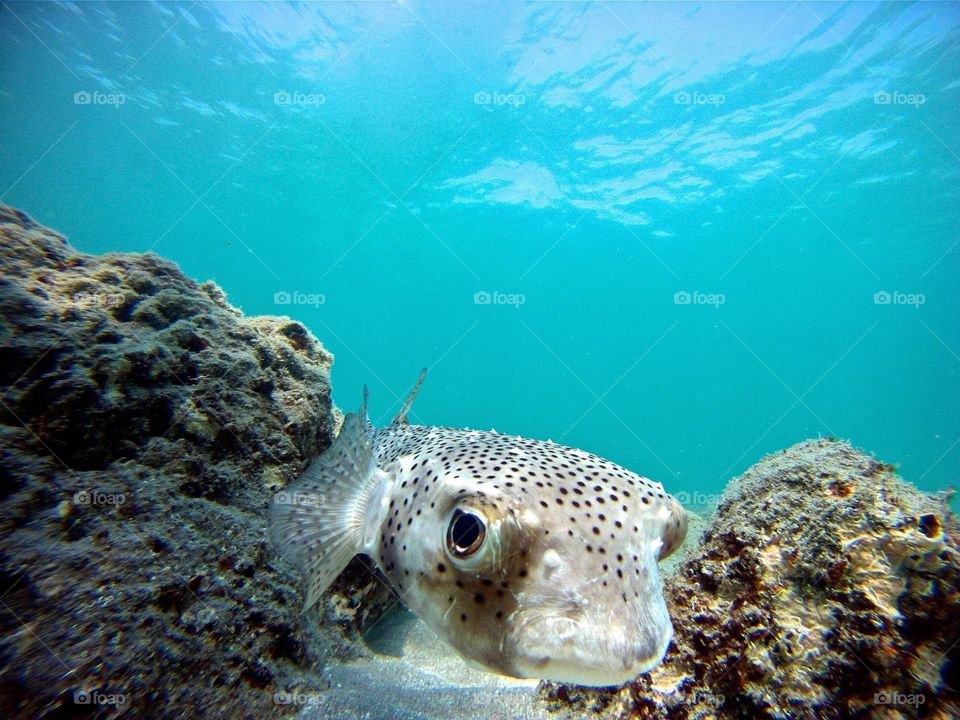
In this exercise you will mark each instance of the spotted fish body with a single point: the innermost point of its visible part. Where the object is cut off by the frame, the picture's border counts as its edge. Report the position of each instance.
(532, 559)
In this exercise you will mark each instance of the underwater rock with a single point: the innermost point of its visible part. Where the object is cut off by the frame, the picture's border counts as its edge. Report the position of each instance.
(145, 424)
(824, 587)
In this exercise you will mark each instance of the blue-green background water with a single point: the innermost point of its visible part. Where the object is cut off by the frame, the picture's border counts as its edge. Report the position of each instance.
(791, 160)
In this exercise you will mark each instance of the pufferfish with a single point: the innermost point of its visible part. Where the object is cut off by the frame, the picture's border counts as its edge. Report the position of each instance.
(531, 559)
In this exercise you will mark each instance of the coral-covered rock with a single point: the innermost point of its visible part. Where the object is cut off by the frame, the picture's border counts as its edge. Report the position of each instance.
(824, 587)
(144, 426)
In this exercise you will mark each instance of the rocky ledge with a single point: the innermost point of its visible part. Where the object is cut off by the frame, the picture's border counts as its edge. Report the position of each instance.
(144, 426)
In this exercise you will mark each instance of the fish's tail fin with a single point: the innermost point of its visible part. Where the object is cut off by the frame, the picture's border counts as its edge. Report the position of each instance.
(317, 522)
(401, 418)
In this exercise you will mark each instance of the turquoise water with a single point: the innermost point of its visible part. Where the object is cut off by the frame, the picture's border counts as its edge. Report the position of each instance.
(790, 170)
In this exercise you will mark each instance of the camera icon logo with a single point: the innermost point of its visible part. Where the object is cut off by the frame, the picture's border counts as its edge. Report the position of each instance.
(282, 97)
(481, 298)
(82, 98)
(282, 298)
(681, 298)
(881, 297)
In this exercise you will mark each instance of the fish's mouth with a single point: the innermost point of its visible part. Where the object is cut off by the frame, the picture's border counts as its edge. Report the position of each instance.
(588, 652)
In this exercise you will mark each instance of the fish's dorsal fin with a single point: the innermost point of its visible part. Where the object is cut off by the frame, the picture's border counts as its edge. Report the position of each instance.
(363, 405)
(401, 418)
(363, 414)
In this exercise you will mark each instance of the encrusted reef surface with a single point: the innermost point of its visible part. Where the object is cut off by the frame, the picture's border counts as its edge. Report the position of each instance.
(824, 587)
(144, 426)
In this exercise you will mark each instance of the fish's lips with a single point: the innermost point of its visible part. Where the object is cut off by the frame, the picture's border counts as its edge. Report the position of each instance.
(598, 652)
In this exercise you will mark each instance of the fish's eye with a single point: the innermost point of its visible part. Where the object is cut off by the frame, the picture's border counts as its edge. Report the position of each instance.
(465, 534)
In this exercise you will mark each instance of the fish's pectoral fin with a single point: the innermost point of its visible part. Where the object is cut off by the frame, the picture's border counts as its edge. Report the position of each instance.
(317, 522)
(401, 418)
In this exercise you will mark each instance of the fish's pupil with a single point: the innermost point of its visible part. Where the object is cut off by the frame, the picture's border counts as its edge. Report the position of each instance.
(465, 534)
